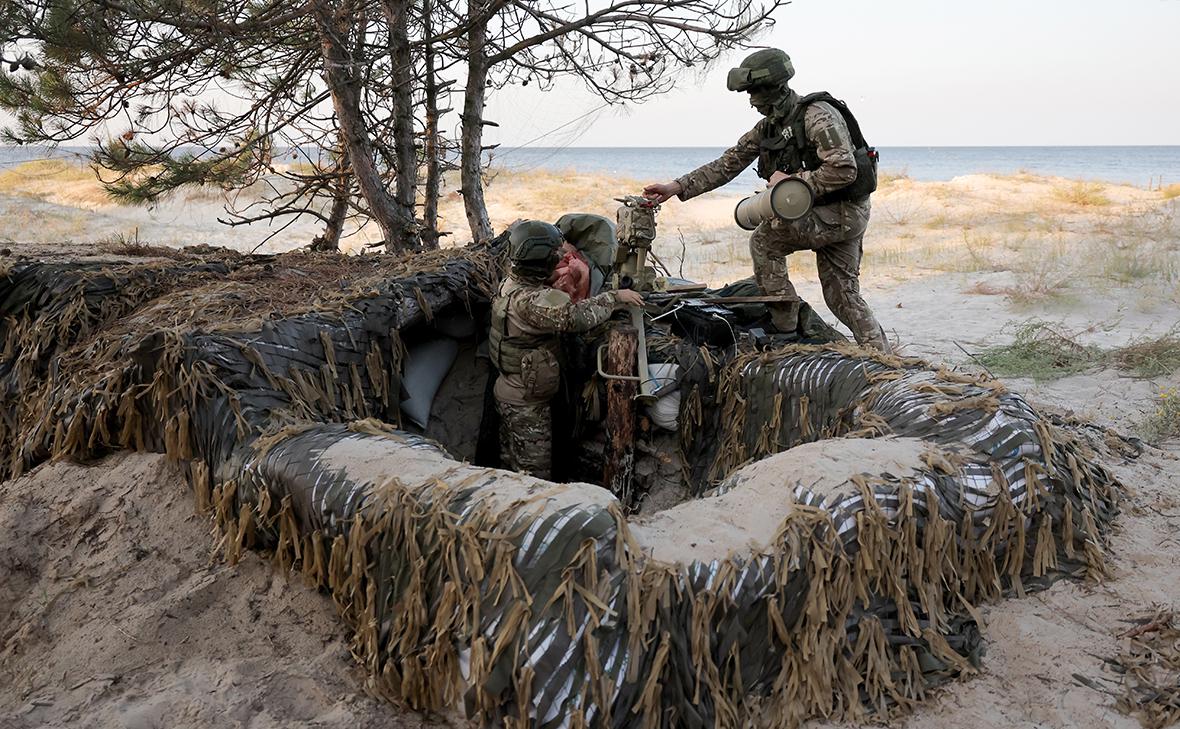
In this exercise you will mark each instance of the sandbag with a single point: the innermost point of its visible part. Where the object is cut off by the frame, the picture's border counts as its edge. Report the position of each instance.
(427, 363)
(665, 411)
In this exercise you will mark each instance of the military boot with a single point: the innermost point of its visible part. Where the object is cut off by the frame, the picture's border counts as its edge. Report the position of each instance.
(785, 316)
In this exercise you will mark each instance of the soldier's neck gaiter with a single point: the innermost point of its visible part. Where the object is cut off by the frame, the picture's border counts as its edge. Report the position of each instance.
(785, 105)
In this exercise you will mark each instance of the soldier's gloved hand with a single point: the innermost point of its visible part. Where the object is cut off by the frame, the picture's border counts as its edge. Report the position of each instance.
(629, 297)
(776, 178)
(662, 191)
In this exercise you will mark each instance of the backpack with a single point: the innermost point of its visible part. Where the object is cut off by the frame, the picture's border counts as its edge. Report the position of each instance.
(795, 152)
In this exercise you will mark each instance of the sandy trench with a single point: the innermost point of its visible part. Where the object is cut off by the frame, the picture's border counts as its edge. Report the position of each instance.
(114, 613)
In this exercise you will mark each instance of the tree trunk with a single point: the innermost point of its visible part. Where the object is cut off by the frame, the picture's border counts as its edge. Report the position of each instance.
(622, 342)
(334, 24)
(471, 145)
(406, 183)
(430, 234)
(342, 191)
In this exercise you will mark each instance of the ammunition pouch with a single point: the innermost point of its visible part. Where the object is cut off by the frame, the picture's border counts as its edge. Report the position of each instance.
(864, 184)
(541, 373)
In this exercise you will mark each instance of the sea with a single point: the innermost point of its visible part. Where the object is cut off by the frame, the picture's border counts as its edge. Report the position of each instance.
(1148, 167)
(1139, 166)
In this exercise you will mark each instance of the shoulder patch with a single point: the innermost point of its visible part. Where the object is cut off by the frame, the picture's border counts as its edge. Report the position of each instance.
(552, 298)
(826, 125)
(827, 138)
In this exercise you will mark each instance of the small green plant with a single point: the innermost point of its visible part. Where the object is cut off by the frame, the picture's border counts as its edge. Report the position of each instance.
(1040, 350)
(1164, 422)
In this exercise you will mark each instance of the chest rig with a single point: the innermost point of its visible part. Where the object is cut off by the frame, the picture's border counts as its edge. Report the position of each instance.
(784, 147)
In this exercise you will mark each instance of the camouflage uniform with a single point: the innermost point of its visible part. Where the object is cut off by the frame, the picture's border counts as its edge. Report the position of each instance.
(526, 318)
(834, 231)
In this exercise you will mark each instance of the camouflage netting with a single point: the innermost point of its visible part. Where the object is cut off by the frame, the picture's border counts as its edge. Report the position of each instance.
(538, 604)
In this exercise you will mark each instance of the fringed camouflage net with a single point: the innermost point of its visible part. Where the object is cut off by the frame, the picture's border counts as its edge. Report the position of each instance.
(195, 357)
(534, 604)
(798, 394)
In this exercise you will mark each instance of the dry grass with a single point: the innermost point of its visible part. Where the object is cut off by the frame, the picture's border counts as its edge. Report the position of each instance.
(121, 244)
(899, 210)
(886, 178)
(937, 255)
(983, 288)
(1011, 223)
(1038, 285)
(38, 175)
(1128, 265)
(1112, 234)
(1149, 669)
(21, 222)
(1042, 269)
(1164, 423)
(941, 220)
(1140, 222)
(1084, 194)
(1150, 357)
(565, 190)
(1171, 192)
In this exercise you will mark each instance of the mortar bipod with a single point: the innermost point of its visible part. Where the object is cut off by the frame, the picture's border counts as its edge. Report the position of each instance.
(646, 393)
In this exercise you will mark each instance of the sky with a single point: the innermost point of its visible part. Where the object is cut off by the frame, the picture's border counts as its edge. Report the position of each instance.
(915, 73)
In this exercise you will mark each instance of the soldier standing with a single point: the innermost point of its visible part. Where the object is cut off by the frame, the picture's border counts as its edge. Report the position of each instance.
(815, 139)
(527, 316)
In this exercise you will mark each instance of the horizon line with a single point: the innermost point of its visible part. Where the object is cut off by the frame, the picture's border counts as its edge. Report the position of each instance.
(506, 145)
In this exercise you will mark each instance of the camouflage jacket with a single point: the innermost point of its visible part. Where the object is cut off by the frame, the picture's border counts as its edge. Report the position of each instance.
(523, 342)
(823, 125)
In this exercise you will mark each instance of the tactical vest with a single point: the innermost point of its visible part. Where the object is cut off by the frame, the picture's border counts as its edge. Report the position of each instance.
(794, 152)
(506, 349)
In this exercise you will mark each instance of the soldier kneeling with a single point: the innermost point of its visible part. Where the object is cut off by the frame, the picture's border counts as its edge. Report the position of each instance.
(527, 316)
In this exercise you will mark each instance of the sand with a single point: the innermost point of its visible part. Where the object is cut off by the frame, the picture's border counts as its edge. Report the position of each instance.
(112, 612)
(763, 494)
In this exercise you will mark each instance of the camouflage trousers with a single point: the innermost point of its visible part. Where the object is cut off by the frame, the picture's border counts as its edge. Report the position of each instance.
(526, 438)
(836, 234)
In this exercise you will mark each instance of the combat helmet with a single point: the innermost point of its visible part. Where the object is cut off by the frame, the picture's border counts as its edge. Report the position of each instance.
(768, 67)
(532, 247)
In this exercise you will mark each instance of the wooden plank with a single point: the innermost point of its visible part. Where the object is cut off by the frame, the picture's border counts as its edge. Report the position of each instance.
(748, 299)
